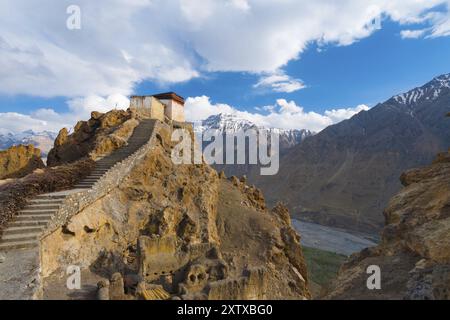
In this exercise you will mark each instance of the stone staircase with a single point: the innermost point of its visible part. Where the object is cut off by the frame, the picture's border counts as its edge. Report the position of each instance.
(25, 229)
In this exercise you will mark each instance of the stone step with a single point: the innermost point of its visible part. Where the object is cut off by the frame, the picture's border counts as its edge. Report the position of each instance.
(23, 230)
(82, 187)
(33, 217)
(18, 245)
(110, 160)
(27, 211)
(19, 237)
(51, 202)
(20, 224)
(42, 207)
(50, 197)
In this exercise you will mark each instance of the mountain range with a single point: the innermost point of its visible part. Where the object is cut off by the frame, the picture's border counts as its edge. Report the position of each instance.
(344, 175)
(42, 140)
(226, 123)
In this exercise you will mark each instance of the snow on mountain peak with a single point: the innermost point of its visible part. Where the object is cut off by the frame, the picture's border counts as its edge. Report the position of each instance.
(430, 91)
(42, 140)
(227, 123)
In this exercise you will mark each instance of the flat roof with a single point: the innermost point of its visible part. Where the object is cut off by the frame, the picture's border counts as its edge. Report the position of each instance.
(169, 96)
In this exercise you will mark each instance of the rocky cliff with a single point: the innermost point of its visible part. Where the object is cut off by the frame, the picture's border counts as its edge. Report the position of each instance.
(414, 255)
(99, 136)
(172, 232)
(18, 161)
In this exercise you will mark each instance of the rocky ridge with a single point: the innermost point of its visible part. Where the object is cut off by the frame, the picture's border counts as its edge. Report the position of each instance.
(414, 255)
(95, 138)
(160, 230)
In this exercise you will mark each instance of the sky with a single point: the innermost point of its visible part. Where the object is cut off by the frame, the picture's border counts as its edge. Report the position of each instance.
(293, 64)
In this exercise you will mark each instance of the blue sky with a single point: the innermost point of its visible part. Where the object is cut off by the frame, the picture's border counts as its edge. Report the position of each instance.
(342, 65)
(367, 72)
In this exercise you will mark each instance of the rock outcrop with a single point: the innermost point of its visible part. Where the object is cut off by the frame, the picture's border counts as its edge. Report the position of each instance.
(18, 161)
(177, 232)
(97, 137)
(414, 256)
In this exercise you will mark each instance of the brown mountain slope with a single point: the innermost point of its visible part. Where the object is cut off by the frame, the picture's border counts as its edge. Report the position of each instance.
(345, 175)
(414, 256)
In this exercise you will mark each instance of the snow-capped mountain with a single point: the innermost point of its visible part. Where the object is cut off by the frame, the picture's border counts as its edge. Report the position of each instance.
(42, 140)
(429, 92)
(225, 123)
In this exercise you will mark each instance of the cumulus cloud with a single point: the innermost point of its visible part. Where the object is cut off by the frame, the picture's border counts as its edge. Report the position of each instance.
(283, 114)
(122, 43)
(17, 122)
(47, 119)
(338, 115)
(200, 108)
(82, 107)
(412, 34)
(280, 82)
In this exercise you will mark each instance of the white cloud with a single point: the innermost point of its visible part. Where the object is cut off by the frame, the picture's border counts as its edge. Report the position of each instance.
(337, 115)
(240, 4)
(200, 108)
(412, 34)
(122, 43)
(280, 82)
(48, 119)
(16, 122)
(284, 114)
(82, 107)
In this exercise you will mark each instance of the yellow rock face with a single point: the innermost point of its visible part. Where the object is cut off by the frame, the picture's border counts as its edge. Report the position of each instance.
(180, 231)
(19, 161)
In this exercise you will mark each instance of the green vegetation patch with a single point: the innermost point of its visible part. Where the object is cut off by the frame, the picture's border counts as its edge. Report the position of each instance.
(323, 266)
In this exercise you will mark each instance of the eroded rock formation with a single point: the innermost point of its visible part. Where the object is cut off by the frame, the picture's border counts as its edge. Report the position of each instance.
(18, 161)
(414, 256)
(99, 136)
(178, 232)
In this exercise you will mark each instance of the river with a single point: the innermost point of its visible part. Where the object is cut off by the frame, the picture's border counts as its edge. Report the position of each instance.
(331, 239)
